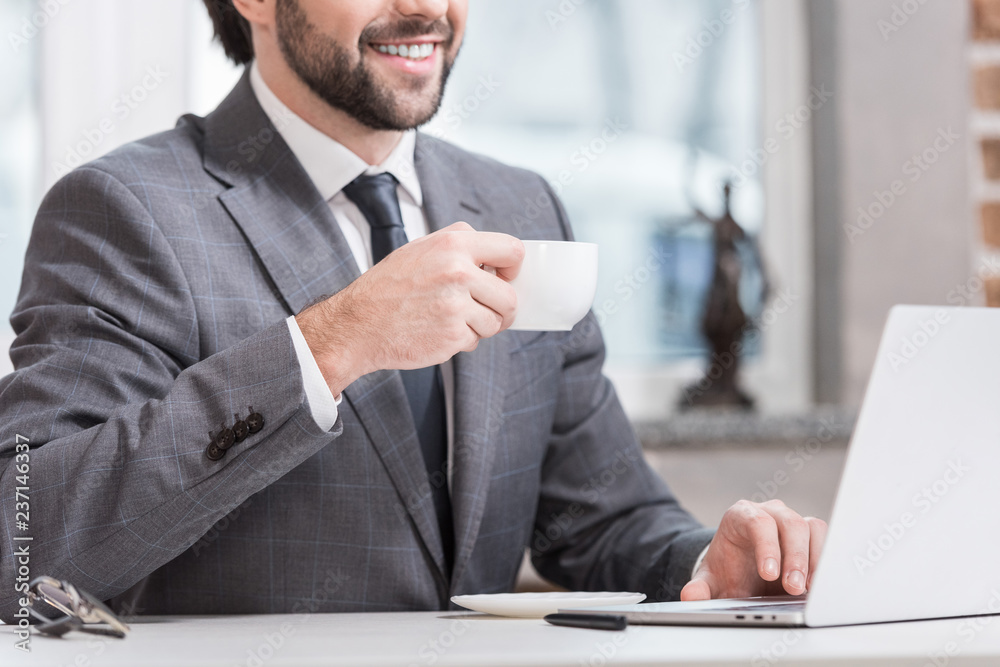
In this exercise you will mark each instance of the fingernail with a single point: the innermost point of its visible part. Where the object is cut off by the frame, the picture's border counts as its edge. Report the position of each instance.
(771, 567)
(796, 579)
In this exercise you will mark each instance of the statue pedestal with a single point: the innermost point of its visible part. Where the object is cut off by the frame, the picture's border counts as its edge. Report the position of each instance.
(716, 395)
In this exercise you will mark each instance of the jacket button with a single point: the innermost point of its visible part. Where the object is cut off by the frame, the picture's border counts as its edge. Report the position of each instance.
(255, 421)
(214, 452)
(225, 439)
(240, 429)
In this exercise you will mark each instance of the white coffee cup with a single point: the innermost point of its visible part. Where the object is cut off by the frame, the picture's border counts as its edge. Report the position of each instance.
(556, 285)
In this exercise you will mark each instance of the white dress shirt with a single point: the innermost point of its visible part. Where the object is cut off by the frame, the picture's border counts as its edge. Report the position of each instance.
(331, 166)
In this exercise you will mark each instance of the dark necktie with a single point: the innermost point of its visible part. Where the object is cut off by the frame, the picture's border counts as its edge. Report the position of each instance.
(375, 197)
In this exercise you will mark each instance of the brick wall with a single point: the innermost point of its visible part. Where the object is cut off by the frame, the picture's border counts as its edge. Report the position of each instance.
(985, 124)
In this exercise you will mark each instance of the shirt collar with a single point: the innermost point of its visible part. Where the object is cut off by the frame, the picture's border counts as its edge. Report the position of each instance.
(329, 163)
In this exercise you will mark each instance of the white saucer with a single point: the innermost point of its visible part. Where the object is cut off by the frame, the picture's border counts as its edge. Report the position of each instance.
(536, 605)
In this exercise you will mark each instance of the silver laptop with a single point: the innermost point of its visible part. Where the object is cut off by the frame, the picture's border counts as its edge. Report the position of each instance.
(914, 532)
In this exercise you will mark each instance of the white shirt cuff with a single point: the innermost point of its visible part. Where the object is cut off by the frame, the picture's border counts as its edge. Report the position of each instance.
(322, 404)
(697, 563)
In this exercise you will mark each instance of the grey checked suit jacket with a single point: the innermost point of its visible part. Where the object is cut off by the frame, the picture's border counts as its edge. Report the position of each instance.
(152, 309)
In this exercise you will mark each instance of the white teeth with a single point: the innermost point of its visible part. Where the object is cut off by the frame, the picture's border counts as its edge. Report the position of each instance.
(411, 51)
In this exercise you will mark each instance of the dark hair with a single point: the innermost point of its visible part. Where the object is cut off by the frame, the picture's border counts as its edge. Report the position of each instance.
(232, 30)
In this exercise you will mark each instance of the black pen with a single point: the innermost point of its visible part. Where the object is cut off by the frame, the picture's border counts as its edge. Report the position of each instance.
(591, 621)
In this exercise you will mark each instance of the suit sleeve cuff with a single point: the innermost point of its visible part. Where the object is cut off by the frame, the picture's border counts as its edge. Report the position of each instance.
(678, 563)
(322, 403)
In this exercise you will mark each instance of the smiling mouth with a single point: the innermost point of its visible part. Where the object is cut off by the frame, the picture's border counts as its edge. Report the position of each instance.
(414, 52)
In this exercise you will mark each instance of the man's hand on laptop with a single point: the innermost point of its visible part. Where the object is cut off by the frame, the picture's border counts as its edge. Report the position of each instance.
(759, 549)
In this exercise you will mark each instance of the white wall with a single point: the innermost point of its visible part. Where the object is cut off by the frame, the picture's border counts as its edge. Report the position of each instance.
(896, 91)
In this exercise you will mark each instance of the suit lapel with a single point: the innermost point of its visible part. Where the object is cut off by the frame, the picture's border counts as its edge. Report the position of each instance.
(480, 379)
(480, 376)
(292, 230)
(275, 203)
(380, 403)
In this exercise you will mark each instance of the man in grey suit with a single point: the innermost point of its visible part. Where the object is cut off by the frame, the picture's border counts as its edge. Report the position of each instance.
(241, 395)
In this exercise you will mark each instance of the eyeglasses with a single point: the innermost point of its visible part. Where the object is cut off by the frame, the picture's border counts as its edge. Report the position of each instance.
(82, 610)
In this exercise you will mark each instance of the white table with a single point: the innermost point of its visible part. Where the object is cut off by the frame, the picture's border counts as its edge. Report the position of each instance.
(442, 638)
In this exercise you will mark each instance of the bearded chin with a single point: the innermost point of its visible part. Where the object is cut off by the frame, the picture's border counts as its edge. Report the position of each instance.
(326, 68)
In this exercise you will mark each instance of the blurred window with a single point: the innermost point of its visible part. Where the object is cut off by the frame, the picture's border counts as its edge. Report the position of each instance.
(20, 140)
(634, 110)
